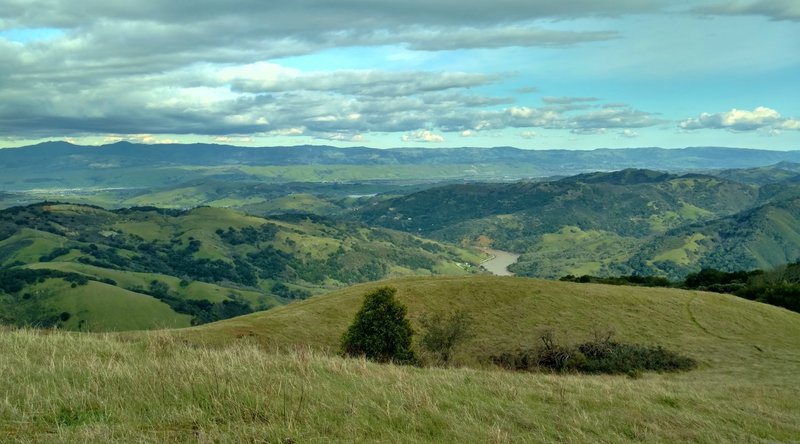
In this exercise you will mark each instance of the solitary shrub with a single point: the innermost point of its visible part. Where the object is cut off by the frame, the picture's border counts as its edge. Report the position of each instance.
(441, 334)
(380, 331)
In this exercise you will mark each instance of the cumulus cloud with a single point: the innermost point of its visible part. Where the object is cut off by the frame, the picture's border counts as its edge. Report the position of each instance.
(740, 120)
(138, 138)
(187, 67)
(790, 124)
(269, 99)
(628, 134)
(212, 68)
(615, 118)
(341, 137)
(424, 136)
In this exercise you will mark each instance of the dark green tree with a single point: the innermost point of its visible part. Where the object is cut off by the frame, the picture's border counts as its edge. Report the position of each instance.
(380, 330)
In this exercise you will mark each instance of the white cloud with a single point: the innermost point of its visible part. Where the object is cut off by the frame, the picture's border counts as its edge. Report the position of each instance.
(528, 134)
(288, 132)
(628, 134)
(791, 124)
(740, 120)
(148, 139)
(341, 137)
(229, 139)
(425, 136)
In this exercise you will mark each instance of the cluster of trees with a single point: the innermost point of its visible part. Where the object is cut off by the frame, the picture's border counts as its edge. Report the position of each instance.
(780, 286)
(201, 310)
(248, 235)
(14, 280)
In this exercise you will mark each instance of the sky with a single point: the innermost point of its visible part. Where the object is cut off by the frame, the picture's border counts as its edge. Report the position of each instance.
(571, 74)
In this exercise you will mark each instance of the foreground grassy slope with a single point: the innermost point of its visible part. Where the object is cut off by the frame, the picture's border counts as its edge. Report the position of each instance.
(159, 387)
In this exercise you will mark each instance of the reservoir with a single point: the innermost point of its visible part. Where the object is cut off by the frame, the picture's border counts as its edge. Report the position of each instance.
(498, 264)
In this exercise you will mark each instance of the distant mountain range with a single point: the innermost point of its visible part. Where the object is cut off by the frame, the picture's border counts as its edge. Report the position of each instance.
(123, 164)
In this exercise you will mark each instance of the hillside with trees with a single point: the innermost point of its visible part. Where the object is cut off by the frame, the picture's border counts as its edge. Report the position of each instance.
(191, 267)
(626, 222)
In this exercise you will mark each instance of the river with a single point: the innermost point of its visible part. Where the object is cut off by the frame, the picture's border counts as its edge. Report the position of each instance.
(498, 264)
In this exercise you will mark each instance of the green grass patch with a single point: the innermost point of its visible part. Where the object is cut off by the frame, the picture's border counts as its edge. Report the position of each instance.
(101, 307)
(28, 246)
(571, 250)
(687, 253)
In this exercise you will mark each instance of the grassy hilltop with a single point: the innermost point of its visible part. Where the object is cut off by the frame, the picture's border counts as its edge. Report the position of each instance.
(266, 377)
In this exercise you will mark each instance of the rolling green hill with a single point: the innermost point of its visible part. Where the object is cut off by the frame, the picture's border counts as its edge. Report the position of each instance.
(509, 312)
(194, 266)
(226, 382)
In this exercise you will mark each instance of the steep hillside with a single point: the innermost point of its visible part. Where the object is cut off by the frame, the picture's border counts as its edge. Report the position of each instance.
(587, 224)
(631, 203)
(196, 266)
(761, 238)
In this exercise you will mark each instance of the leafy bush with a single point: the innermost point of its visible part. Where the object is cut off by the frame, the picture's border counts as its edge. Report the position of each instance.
(441, 334)
(599, 355)
(380, 330)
